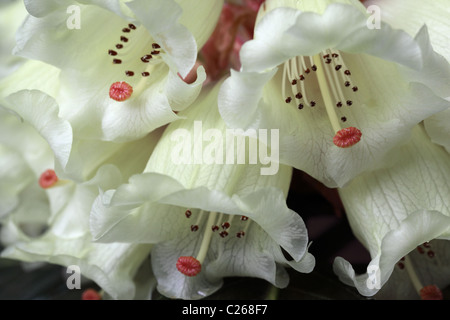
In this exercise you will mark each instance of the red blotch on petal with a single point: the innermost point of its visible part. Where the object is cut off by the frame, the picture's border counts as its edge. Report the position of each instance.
(48, 178)
(347, 137)
(189, 266)
(91, 294)
(120, 91)
(431, 292)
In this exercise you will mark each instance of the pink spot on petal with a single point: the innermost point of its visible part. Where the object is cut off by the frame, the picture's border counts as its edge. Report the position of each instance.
(48, 178)
(189, 266)
(120, 91)
(431, 292)
(347, 137)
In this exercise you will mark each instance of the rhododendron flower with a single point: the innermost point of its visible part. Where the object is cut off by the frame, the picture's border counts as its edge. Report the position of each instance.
(411, 16)
(401, 214)
(67, 240)
(342, 94)
(121, 64)
(208, 220)
(44, 213)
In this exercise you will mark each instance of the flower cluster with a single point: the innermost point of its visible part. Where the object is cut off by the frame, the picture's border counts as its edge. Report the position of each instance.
(151, 143)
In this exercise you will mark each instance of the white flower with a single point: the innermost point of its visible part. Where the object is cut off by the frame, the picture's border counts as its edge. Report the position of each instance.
(206, 221)
(121, 64)
(45, 214)
(67, 240)
(342, 94)
(26, 154)
(411, 16)
(78, 158)
(401, 214)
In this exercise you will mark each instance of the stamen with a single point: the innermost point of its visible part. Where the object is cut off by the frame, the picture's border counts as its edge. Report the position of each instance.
(347, 137)
(48, 179)
(120, 91)
(194, 227)
(326, 95)
(191, 266)
(296, 73)
(430, 292)
(337, 90)
(146, 58)
(330, 84)
(223, 234)
(242, 233)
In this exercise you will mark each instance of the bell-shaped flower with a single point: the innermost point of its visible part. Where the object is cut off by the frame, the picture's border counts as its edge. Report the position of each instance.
(122, 63)
(401, 214)
(67, 240)
(342, 91)
(208, 208)
(78, 158)
(20, 193)
(44, 213)
(411, 16)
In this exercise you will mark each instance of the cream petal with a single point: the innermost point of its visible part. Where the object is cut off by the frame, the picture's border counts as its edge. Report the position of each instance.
(394, 210)
(41, 111)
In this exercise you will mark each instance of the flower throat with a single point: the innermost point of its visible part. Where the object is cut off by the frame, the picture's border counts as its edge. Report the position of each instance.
(329, 73)
(122, 90)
